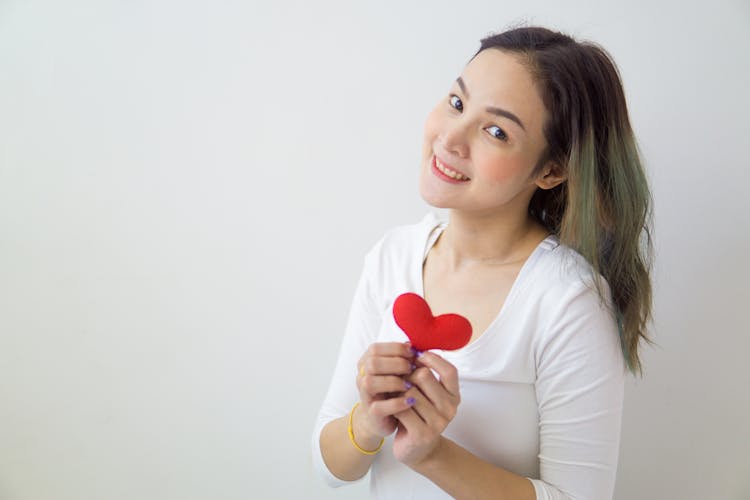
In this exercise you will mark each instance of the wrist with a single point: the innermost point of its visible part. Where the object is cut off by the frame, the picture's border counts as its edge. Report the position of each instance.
(431, 461)
(365, 436)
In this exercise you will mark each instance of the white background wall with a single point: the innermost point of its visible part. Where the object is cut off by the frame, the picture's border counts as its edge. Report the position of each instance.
(187, 190)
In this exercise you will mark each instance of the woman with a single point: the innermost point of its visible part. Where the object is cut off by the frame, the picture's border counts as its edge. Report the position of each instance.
(545, 252)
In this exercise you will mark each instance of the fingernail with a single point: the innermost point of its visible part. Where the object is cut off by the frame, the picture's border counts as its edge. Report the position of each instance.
(419, 354)
(416, 352)
(413, 367)
(408, 385)
(410, 401)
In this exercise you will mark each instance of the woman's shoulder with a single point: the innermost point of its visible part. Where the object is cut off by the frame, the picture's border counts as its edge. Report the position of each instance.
(405, 239)
(576, 313)
(393, 262)
(563, 272)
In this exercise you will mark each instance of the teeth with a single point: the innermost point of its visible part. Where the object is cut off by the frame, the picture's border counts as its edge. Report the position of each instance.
(450, 173)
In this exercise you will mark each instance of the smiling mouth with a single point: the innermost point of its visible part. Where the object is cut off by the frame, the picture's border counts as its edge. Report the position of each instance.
(449, 172)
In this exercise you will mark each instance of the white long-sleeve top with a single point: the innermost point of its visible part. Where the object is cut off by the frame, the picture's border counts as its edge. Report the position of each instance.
(541, 389)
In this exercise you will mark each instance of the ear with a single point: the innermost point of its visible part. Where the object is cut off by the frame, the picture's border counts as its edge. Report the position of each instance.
(551, 176)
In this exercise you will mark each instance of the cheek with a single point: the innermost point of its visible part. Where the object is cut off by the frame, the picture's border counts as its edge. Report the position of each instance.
(503, 170)
(431, 127)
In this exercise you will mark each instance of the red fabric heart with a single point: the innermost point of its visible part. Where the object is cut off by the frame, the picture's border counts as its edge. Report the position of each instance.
(425, 331)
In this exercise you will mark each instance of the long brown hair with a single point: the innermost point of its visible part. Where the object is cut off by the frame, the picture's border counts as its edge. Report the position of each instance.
(603, 209)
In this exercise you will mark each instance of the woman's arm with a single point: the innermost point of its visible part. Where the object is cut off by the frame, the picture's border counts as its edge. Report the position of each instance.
(419, 442)
(464, 475)
(341, 457)
(580, 386)
(335, 457)
(380, 383)
(361, 330)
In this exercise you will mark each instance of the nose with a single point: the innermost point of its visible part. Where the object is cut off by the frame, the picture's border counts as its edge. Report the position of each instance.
(453, 139)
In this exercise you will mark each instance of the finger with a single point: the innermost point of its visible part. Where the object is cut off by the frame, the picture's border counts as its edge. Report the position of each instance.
(385, 349)
(422, 415)
(447, 372)
(411, 420)
(402, 349)
(425, 408)
(387, 365)
(432, 389)
(391, 406)
(376, 384)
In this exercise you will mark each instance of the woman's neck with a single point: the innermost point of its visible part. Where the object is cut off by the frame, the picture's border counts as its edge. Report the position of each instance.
(471, 240)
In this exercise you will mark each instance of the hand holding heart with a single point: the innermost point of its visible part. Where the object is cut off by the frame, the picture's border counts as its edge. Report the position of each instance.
(382, 382)
(397, 387)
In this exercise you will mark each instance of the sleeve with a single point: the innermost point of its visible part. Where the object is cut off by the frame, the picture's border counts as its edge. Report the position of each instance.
(580, 391)
(361, 330)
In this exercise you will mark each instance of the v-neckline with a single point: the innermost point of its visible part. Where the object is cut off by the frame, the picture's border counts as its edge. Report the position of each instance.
(432, 237)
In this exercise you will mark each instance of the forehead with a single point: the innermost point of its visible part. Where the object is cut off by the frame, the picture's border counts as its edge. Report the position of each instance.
(497, 78)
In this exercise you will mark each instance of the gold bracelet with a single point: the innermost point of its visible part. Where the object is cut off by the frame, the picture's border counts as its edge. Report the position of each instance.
(351, 435)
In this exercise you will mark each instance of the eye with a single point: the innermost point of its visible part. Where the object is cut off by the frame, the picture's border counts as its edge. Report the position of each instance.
(497, 132)
(455, 102)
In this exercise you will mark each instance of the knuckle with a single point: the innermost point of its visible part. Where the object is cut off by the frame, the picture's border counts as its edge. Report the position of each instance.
(422, 374)
(375, 410)
(369, 365)
(440, 424)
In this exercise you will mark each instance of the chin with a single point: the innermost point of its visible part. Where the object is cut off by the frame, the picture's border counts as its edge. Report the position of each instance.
(434, 199)
(434, 204)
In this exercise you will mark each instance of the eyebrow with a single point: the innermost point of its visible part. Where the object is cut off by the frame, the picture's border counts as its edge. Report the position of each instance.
(492, 109)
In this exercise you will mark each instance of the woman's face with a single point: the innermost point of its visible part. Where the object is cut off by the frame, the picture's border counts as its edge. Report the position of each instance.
(488, 133)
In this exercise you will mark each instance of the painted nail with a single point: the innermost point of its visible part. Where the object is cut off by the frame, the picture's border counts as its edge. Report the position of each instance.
(410, 401)
(413, 367)
(419, 354)
(408, 385)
